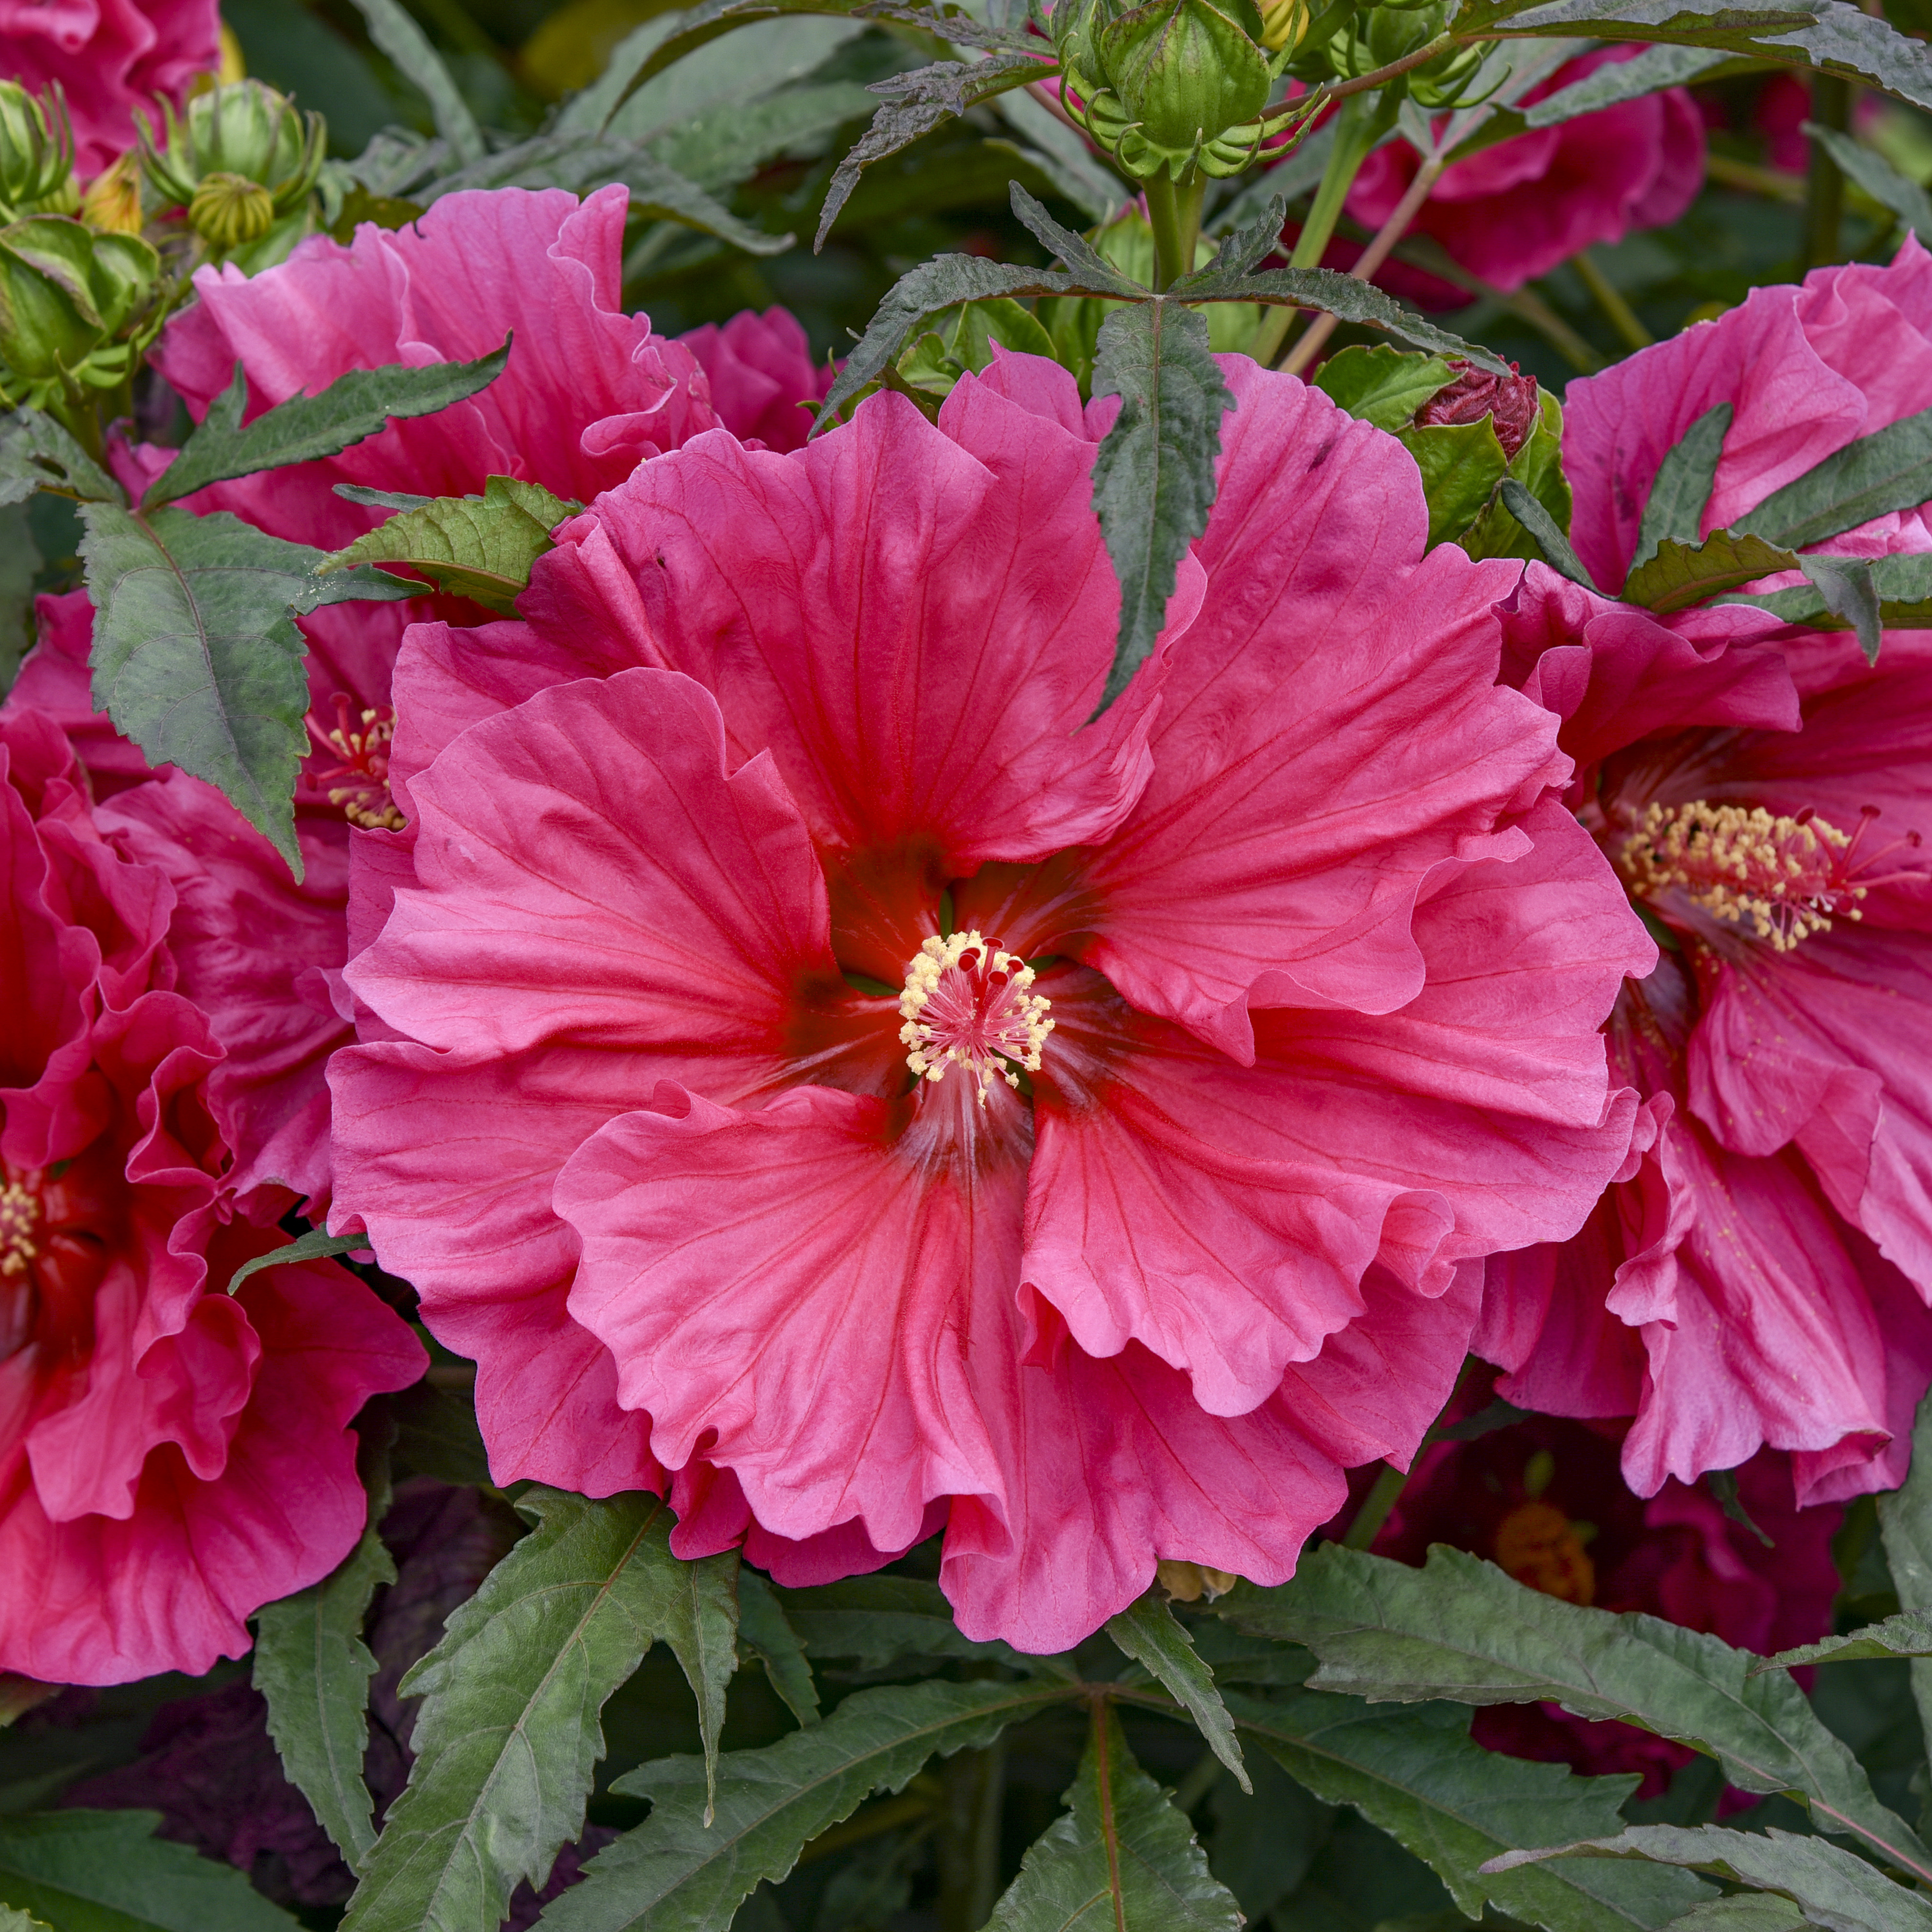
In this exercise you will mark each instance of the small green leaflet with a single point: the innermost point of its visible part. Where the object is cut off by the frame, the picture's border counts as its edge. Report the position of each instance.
(1682, 575)
(1150, 1633)
(1682, 488)
(1122, 1860)
(1649, 72)
(674, 1873)
(1541, 528)
(316, 1245)
(105, 1871)
(1382, 386)
(508, 1736)
(1907, 1633)
(353, 407)
(1849, 592)
(1835, 1888)
(36, 453)
(1877, 177)
(195, 657)
(1537, 467)
(764, 1629)
(1461, 463)
(1890, 469)
(477, 547)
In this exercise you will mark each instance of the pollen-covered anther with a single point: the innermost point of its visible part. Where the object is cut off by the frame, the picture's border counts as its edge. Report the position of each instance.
(20, 1214)
(1783, 878)
(966, 1004)
(361, 748)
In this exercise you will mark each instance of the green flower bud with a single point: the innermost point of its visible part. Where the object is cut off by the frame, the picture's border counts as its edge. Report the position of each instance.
(231, 211)
(36, 155)
(243, 143)
(1186, 71)
(67, 298)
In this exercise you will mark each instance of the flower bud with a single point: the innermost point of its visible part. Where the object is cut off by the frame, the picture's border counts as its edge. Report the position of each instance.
(1185, 72)
(230, 210)
(67, 296)
(245, 145)
(36, 155)
(112, 205)
(1510, 402)
(1284, 25)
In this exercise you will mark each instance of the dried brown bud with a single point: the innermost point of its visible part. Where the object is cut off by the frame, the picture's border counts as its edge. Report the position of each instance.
(1510, 400)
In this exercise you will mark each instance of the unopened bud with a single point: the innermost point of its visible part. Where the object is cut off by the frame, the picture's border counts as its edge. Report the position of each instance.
(66, 296)
(1284, 25)
(1185, 71)
(247, 146)
(1510, 401)
(112, 205)
(231, 211)
(36, 155)
(1189, 1582)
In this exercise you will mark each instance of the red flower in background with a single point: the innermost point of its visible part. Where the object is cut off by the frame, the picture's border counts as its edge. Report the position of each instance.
(171, 1458)
(108, 58)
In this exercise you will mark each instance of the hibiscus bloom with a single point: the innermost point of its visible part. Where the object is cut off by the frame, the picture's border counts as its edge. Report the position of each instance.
(1514, 211)
(109, 58)
(808, 1058)
(763, 382)
(1758, 1274)
(171, 1458)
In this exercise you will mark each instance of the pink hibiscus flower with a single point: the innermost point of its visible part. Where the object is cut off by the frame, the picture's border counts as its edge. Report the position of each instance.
(804, 1057)
(1513, 211)
(1758, 1274)
(763, 382)
(110, 58)
(171, 1458)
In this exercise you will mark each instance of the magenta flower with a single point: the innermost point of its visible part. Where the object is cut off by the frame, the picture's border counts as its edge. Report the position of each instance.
(110, 59)
(1514, 211)
(171, 1458)
(764, 382)
(807, 1057)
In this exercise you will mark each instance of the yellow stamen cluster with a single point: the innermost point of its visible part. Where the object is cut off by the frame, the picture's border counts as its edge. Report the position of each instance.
(364, 754)
(19, 1211)
(966, 1004)
(1780, 877)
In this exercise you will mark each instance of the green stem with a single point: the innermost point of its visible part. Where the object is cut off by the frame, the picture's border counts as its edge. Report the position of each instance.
(1173, 212)
(1360, 122)
(1375, 1509)
(968, 1844)
(1608, 298)
(1825, 185)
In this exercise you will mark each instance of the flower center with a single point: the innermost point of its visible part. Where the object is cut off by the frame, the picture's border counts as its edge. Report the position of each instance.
(1783, 878)
(358, 781)
(966, 1004)
(20, 1214)
(1541, 1547)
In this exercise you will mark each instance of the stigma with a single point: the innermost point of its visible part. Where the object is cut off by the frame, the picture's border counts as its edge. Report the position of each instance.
(358, 781)
(966, 1004)
(19, 1213)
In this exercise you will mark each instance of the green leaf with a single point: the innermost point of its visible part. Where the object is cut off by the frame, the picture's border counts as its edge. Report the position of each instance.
(916, 103)
(1537, 467)
(1149, 1632)
(316, 1245)
(1461, 464)
(195, 657)
(1847, 586)
(507, 1735)
(313, 1669)
(1905, 1526)
(1650, 72)
(1084, 261)
(1420, 1777)
(1123, 1858)
(20, 562)
(1877, 176)
(1834, 1887)
(399, 37)
(1909, 1634)
(1683, 574)
(1903, 584)
(1243, 246)
(436, 1435)
(1742, 1912)
(1543, 531)
(702, 1631)
(1153, 474)
(729, 143)
(1077, 172)
(674, 1873)
(875, 1620)
(381, 500)
(1674, 511)
(1382, 386)
(14, 1921)
(36, 453)
(477, 547)
(764, 1629)
(356, 406)
(104, 1871)
(1459, 1628)
(1890, 469)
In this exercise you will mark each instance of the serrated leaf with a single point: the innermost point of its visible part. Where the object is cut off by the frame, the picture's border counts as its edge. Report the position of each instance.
(105, 1871)
(729, 143)
(1674, 511)
(916, 103)
(312, 1670)
(1085, 262)
(1459, 1628)
(674, 1874)
(1150, 1633)
(1542, 529)
(1877, 176)
(1077, 172)
(1681, 575)
(477, 547)
(764, 1629)
(1650, 72)
(1908, 1633)
(37, 453)
(1905, 1527)
(875, 1620)
(1461, 463)
(318, 1244)
(1123, 1858)
(508, 1736)
(381, 500)
(1742, 1912)
(194, 656)
(1847, 586)
(1382, 386)
(357, 405)
(399, 37)
(703, 1634)
(1243, 246)
(1420, 1777)
(1903, 583)
(1890, 469)
(1834, 1887)
(1153, 474)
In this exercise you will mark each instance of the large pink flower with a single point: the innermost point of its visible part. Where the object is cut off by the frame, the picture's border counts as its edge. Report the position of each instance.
(1513, 211)
(170, 1458)
(763, 382)
(1758, 1276)
(109, 57)
(639, 1110)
